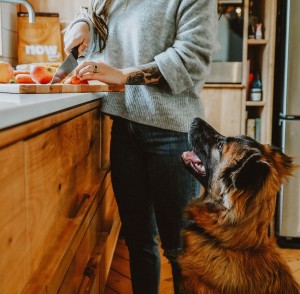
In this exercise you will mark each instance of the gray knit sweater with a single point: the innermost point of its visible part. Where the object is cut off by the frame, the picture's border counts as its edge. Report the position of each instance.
(180, 36)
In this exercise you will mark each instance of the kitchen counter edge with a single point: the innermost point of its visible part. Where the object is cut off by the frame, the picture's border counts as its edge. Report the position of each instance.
(16, 109)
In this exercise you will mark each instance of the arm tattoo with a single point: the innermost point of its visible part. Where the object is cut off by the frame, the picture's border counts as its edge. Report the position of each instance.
(146, 75)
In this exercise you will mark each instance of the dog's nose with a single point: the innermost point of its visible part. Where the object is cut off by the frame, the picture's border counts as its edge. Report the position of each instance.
(195, 122)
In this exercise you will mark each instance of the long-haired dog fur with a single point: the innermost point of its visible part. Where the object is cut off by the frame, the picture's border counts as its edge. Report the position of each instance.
(227, 248)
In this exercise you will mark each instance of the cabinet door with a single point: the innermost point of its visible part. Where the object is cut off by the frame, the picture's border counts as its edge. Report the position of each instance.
(62, 169)
(223, 109)
(13, 250)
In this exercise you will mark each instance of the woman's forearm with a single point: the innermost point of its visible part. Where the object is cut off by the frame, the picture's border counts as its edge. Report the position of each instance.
(143, 75)
(97, 70)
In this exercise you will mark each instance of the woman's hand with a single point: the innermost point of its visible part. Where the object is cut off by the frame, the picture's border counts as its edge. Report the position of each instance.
(79, 34)
(97, 70)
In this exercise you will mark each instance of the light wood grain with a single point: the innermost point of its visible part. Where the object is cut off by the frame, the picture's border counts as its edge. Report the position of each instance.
(13, 250)
(222, 108)
(85, 264)
(292, 257)
(108, 208)
(105, 144)
(109, 251)
(65, 160)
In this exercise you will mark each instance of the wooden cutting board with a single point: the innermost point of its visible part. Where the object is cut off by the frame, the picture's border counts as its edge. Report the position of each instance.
(58, 88)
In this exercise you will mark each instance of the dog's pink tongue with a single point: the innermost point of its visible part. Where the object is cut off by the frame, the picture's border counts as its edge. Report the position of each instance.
(191, 156)
(191, 159)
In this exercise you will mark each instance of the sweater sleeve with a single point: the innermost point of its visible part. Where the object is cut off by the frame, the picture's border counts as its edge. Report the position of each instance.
(94, 43)
(188, 60)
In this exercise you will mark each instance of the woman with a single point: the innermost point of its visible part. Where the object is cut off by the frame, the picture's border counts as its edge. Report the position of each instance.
(161, 50)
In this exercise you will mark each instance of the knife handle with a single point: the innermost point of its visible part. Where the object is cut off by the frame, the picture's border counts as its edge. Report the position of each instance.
(74, 51)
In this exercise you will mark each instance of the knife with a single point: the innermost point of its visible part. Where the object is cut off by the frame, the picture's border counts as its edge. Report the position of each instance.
(68, 65)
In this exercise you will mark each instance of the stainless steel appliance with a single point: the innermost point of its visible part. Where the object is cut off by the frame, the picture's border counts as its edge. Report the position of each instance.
(287, 114)
(227, 61)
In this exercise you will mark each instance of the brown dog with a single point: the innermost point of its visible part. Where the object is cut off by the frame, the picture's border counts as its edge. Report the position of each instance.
(227, 248)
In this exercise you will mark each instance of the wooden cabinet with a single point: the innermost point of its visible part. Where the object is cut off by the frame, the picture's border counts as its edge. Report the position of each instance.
(259, 58)
(227, 106)
(60, 219)
(222, 106)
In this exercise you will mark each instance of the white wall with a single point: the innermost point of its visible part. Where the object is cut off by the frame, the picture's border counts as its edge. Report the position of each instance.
(67, 9)
(8, 30)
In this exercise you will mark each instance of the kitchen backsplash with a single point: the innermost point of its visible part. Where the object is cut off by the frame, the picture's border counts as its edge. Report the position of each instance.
(8, 33)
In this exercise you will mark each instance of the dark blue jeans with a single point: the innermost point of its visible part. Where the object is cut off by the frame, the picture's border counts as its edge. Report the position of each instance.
(152, 187)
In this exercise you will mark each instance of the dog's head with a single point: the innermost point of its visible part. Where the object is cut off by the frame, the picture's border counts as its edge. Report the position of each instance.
(238, 162)
(237, 173)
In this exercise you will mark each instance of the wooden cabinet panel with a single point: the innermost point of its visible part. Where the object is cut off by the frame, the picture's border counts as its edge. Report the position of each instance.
(105, 147)
(59, 218)
(61, 170)
(13, 251)
(108, 208)
(109, 249)
(223, 109)
(84, 265)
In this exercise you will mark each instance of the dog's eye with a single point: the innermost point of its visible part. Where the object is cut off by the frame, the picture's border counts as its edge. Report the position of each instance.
(220, 145)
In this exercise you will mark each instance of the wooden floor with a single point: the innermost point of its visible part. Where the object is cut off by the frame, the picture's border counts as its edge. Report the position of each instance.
(119, 275)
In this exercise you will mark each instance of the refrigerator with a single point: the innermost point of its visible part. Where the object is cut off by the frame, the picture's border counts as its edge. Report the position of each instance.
(286, 130)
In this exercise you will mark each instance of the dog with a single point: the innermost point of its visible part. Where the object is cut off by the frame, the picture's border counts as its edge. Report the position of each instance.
(227, 248)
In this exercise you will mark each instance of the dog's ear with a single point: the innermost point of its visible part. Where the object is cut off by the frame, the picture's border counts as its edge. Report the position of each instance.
(252, 173)
(283, 163)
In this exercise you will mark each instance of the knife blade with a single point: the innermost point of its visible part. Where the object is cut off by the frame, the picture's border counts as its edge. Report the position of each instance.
(68, 65)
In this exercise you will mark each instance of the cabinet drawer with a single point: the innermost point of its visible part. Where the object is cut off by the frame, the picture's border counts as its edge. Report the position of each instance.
(109, 250)
(90, 267)
(62, 170)
(86, 260)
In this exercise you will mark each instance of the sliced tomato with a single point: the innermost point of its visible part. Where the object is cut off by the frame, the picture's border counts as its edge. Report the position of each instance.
(75, 81)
